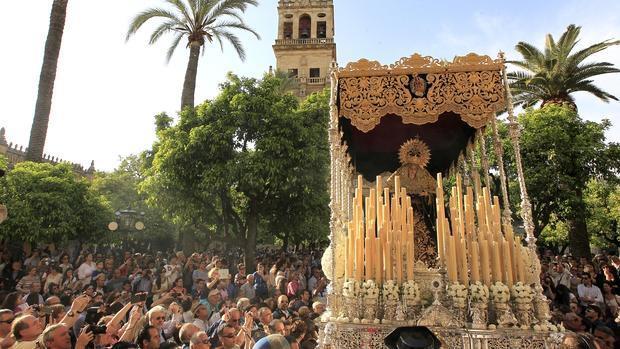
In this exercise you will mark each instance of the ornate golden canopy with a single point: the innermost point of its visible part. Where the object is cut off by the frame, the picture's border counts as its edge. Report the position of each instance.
(419, 89)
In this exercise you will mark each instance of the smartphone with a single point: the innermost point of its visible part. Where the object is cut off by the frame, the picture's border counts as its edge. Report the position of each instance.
(138, 297)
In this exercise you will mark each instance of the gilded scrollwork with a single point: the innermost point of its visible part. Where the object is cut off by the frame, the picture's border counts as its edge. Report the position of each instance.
(470, 86)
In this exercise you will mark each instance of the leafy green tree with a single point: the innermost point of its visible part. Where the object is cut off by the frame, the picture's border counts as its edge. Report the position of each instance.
(248, 160)
(552, 75)
(38, 132)
(49, 203)
(200, 21)
(561, 153)
(120, 188)
(602, 200)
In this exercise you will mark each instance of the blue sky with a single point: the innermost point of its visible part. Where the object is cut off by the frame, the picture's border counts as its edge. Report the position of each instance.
(107, 90)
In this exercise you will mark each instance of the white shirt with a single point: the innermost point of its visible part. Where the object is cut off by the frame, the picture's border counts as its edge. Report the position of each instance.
(590, 293)
(85, 271)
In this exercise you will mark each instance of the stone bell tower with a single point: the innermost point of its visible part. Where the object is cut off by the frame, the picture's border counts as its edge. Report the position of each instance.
(305, 44)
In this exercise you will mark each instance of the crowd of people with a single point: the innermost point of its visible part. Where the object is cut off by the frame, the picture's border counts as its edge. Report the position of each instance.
(585, 297)
(115, 298)
(88, 298)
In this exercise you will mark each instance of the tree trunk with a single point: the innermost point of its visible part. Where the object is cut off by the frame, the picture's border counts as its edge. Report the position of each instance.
(38, 132)
(250, 241)
(579, 239)
(189, 85)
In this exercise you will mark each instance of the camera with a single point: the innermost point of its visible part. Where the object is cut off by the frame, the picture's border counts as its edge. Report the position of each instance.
(95, 329)
(92, 316)
(138, 297)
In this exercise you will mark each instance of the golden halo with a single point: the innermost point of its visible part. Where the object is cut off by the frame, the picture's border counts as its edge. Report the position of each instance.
(414, 151)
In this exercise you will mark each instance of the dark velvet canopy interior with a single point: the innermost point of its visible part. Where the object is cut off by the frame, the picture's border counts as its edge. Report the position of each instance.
(376, 151)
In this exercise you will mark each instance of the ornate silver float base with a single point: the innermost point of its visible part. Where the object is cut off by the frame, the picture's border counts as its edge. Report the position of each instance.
(351, 308)
(523, 312)
(370, 309)
(479, 315)
(389, 310)
(351, 336)
(503, 315)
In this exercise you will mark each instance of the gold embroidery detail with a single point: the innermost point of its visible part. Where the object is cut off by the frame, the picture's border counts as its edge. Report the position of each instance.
(470, 86)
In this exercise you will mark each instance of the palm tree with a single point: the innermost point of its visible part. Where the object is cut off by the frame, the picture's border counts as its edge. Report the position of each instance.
(38, 132)
(552, 75)
(199, 21)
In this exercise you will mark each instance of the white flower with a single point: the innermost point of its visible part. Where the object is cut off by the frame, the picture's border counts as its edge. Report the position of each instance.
(521, 293)
(479, 292)
(500, 292)
(350, 288)
(458, 293)
(411, 292)
(390, 290)
(370, 290)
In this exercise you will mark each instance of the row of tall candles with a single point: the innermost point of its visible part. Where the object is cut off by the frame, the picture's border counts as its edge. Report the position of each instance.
(380, 240)
(488, 250)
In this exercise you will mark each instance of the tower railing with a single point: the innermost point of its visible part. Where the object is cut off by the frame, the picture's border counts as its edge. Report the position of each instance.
(311, 41)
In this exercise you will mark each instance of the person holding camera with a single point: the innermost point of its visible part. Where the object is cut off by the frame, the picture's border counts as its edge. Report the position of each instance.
(57, 337)
(28, 329)
(156, 317)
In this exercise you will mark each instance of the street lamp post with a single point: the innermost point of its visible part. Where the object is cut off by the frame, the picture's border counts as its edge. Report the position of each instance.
(127, 220)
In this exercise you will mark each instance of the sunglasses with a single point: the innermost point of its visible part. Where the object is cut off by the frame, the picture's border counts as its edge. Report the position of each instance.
(232, 335)
(10, 321)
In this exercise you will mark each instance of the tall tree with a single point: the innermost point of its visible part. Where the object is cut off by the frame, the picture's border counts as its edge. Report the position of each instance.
(200, 21)
(553, 74)
(38, 132)
(49, 203)
(120, 188)
(561, 154)
(248, 163)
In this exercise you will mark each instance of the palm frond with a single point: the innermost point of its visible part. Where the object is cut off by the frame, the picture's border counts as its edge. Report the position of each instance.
(173, 46)
(236, 25)
(531, 54)
(591, 70)
(587, 86)
(184, 10)
(146, 15)
(223, 5)
(161, 30)
(233, 40)
(550, 46)
(581, 55)
(568, 40)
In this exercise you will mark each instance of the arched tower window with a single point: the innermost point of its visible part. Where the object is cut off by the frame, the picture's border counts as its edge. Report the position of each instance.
(304, 27)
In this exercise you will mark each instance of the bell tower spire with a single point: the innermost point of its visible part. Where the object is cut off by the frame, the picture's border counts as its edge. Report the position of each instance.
(305, 45)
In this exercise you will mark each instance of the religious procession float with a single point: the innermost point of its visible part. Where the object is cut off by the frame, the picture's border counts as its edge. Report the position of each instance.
(418, 237)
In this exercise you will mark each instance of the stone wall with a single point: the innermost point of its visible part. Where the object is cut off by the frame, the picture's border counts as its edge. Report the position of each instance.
(17, 153)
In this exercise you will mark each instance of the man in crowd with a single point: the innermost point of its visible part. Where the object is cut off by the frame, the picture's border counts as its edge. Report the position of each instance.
(282, 312)
(246, 290)
(227, 334)
(149, 338)
(589, 293)
(200, 340)
(6, 319)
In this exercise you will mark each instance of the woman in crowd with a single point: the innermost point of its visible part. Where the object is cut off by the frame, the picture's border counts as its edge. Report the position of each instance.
(13, 301)
(53, 277)
(612, 301)
(178, 287)
(86, 269)
(161, 285)
(69, 281)
(32, 278)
